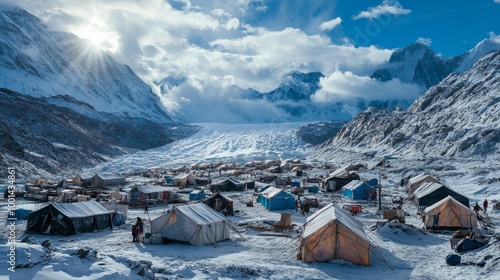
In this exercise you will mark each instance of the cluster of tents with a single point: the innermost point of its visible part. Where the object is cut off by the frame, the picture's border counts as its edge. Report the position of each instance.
(442, 207)
(330, 233)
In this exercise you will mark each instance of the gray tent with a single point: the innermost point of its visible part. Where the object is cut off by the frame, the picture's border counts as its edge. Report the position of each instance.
(69, 218)
(197, 224)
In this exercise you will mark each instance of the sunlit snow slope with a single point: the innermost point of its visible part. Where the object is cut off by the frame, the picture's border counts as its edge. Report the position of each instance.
(217, 142)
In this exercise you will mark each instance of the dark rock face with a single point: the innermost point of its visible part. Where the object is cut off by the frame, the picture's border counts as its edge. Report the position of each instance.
(37, 135)
(318, 133)
(418, 64)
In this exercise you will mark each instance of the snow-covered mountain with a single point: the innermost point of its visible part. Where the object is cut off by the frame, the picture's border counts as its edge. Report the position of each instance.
(293, 97)
(295, 86)
(485, 46)
(66, 106)
(418, 64)
(459, 117)
(41, 63)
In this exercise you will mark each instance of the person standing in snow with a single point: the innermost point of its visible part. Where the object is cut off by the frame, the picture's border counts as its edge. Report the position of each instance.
(146, 208)
(135, 233)
(477, 208)
(436, 221)
(139, 225)
(485, 206)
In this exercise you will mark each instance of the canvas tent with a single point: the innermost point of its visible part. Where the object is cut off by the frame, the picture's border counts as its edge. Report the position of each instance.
(415, 182)
(339, 178)
(452, 215)
(276, 199)
(332, 233)
(195, 224)
(219, 202)
(69, 218)
(429, 193)
(357, 190)
(139, 194)
(229, 184)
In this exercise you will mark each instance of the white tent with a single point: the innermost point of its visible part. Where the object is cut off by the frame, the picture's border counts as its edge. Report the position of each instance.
(452, 215)
(415, 182)
(197, 224)
(332, 233)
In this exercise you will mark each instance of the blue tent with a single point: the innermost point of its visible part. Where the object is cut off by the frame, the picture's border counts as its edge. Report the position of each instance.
(276, 199)
(197, 195)
(357, 190)
(372, 182)
(20, 214)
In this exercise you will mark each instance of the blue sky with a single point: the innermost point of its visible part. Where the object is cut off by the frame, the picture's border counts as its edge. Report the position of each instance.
(453, 27)
(216, 45)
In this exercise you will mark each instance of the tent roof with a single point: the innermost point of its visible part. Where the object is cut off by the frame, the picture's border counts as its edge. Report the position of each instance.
(81, 209)
(427, 188)
(447, 200)
(332, 213)
(151, 189)
(420, 178)
(230, 180)
(355, 184)
(271, 192)
(200, 213)
(337, 173)
(220, 195)
(182, 176)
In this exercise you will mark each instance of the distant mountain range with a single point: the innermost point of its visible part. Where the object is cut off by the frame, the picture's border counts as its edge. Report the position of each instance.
(418, 64)
(459, 117)
(67, 106)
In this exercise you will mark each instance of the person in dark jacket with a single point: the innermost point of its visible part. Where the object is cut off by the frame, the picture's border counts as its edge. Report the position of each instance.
(485, 206)
(140, 225)
(477, 208)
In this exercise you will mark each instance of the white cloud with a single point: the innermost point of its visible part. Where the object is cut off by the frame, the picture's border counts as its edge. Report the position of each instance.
(210, 48)
(329, 25)
(388, 7)
(425, 41)
(496, 1)
(345, 86)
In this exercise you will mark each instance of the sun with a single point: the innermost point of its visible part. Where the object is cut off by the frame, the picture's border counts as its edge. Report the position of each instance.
(100, 40)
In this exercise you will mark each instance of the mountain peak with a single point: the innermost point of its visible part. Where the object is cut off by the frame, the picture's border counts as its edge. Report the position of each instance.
(485, 46)
(414, 51)
(296, 86)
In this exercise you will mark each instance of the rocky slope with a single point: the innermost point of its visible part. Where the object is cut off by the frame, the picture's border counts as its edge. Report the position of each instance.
(459, 117)
(42, 139)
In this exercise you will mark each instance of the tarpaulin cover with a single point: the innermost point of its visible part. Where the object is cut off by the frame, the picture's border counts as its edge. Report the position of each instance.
(196, 224)
(69, 218)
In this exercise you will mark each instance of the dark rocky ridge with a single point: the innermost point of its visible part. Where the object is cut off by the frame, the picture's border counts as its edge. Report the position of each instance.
(38, 137)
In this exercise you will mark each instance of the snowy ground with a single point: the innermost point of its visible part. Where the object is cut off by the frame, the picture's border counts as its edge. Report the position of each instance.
(401, 252)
